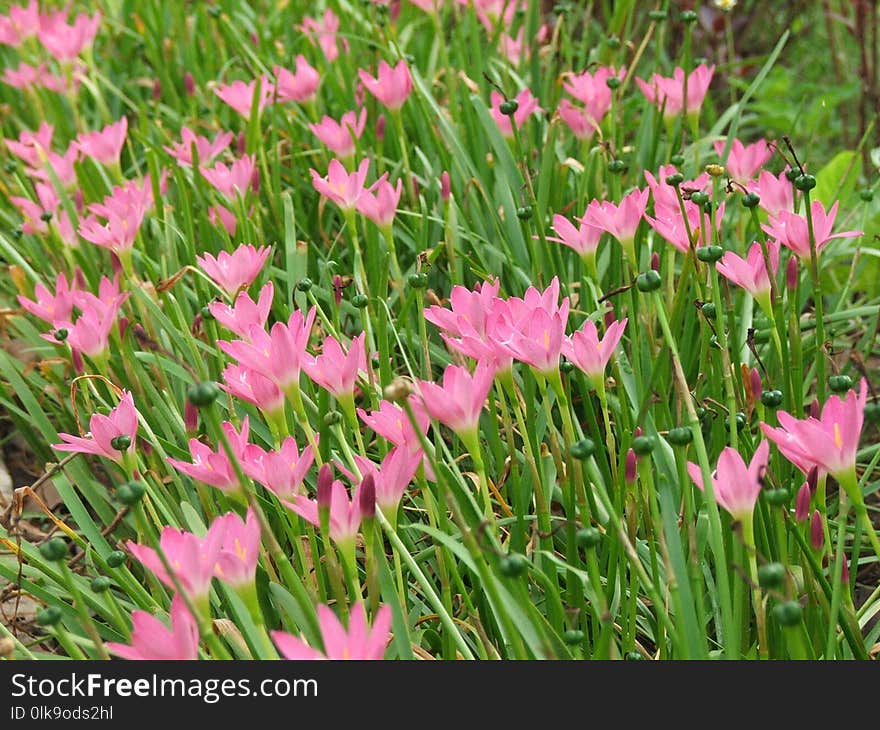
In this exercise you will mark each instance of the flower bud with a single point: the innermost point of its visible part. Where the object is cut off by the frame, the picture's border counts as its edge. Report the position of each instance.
(792, 174)
(713, 170)
(613, 42)
(524, 213)
(189, 84)
(367, 497)
(677, 160)
(791, 273)
(657, 15)
(445, 186)
(157, 90)
(240, 143)
(325, 487)
(813, 479)
(844, 571)
(7, 647)
(418, 280)
(755, 383)
(802, 503)
(380, 127)
(817, 534)
(190, 418)
(655, 262)
(566, 366)
(630, 470)
(814, 409)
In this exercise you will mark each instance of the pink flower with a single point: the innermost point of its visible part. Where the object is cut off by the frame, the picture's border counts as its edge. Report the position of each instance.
(281, 471)
(239, 550)
(253, 387)
(103, 430)
(459, 402)
(151, 639)
(221, 216)
(526, 106)
(429, 6)
(343, 188)
(240, 95)
(119, 232)
(214, 467)
(345, 513)
(581, 123)
(392, 423)
(56, 308)
(381, 207)
(668, 93)
(31, 147)
(512, 48)
(591, 89)
(301, 86)
(671, 226)
(338, 135)
(391, 86)
(493, 13)
(192, 559)
(337, 371)
(61, 165)
(105, 146)
(735, 485)
(621, 221)
(33, 212)
(776, 193)
(326, 33)
(278, 354)
(65, 42)
(237, 270)
(744, 161)
(234, 180)
(830, 441)
(21, 23)
(90, 334)
(206, 150)
(358, 642)
(751, 273)
(244, 313)
(791, 230)
(23, 76)
(665, 197)
(584, 239)
(590, 353)
(391, 478)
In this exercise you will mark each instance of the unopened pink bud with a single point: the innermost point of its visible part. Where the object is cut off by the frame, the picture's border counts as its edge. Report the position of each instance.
(802, 503)
(445, 186)
(157, 90)
(337, 289)
(189, 84)
(791, 273)
(325, 487)
(844, 571)
(814, 408)
(655, 261)
(415, 186)
(394, 10)
(813, 479)
(638, 432)
(631, 463)
(380, 127)
(123, 325)
(255, 181)
(610, 318)
(240, 143)
(190, 417)
(367, 497)
(757, 388)
(817, 534)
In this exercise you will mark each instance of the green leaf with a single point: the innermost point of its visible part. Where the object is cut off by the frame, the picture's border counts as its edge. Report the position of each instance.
(837, 180)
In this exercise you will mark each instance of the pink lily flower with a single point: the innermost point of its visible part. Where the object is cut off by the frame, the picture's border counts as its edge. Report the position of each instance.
(234, 180)
(513, 49)
(32, 212)
(337, 136)
(358, 642)
(151, 639)
(345, 513)
(103, 430)
(459, 402)
(24, 76)
(391, 86)
(90, 334)
(61, 165)
(672, 229)
(239, 550)
(66, 42)
(391, 478)
(580, 121)
(381, 207)
(326, 33)
(621, 221)
(668, 93)
(281, 472)
(214, 467)
(665, 198)
(335, 370)
(237, 270)
(429, 6)
(776, 192)
(829, 442)
(278, 354)
(735, 485)
(191, 558)
(536, 340)
(31, 147)
(590, 353)
(527, 105)
(56, 308)
(253, 387)
(301, 86)
(791, 230)
(591, 89)
(22, 23)
(220, 215)
(120, 231)
(751, 273)
(343, 188)
(105, 146)
(240, 95)
(391, 422)
(744, 161)
(584, 239)
(245, 313)
(205, 148)
(493, 13)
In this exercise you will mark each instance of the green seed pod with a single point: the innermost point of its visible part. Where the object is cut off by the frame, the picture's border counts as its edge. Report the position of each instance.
(840, 383)
(750, 200)
(688, 16)
(708, 310)
(116, 559)
(524, 213)
(588, 537)
(612, 82)
(332, 418)
(678, 161)
(206, 313)
(46, 217)
(54, 549)
(675, 179)
(741, 421)
(573, 637)
(613, 42)
(100, 584)
(359, 301)
(633, 656)
(657, 15)
(130, 493)
(788, 613)
(203, 394)
(419, 280)
(867, 195)
(648, 281)
(305, 284)
(61, 334)
(509, 107)
(617, 167)
(582, 449)
(566, 366)
(680, 436)
(699, 198)
(872, 411)
(121, 442)
(776, 497)
(792, 174)
(214, 11)
(49, 616)
(772, 398)
(771, 575)
(805, 182)
(513, 565)
(643, 445)
(9, 167)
